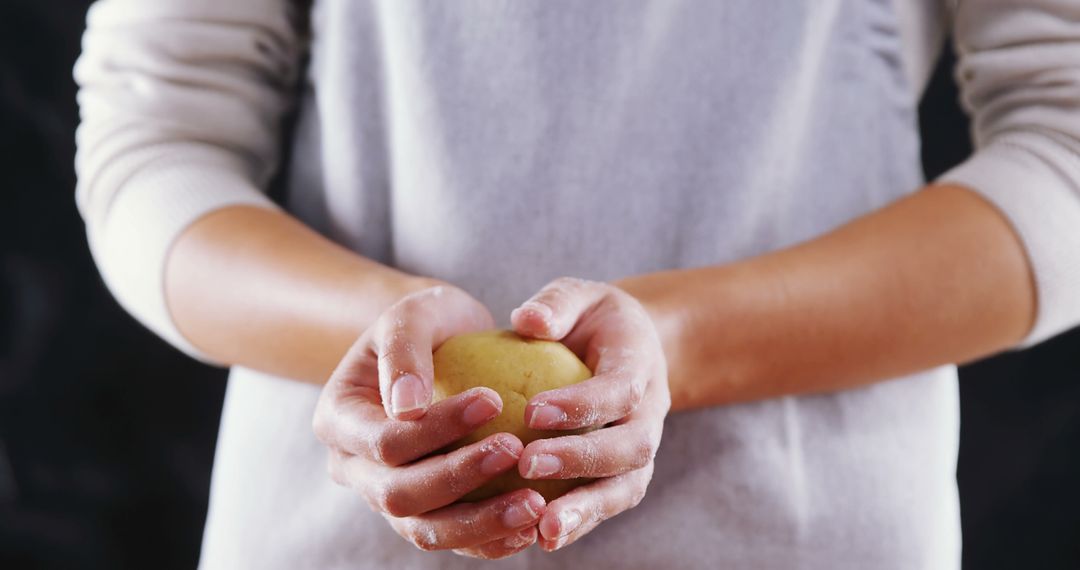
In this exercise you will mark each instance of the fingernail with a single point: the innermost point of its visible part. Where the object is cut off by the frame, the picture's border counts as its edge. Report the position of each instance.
(519, 514)
(520, 539)
(543, 465)
(497, 461)
(546, 416)
(568, 521)
(542, 310)
(406, 395)
(479, 411)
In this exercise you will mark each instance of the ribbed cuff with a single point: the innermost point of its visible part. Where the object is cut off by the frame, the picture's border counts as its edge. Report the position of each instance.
(146, 216)
(1036, 184)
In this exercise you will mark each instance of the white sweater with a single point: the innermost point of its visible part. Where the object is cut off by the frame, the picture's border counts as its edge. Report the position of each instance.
(181, 102)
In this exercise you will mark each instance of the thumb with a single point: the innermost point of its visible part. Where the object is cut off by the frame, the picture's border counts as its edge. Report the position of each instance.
(551, 313)
(406, 337)
(406, 373)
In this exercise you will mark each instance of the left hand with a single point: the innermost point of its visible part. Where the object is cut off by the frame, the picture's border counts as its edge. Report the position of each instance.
(614, 335)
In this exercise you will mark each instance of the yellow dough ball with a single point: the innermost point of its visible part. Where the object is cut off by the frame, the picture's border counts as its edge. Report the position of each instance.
(517, 368)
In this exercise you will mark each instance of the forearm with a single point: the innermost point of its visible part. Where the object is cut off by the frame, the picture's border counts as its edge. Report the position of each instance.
(935, 278)
(257, 288)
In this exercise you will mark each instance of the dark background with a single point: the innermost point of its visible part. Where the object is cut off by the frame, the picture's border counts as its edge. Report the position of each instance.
(107, 434)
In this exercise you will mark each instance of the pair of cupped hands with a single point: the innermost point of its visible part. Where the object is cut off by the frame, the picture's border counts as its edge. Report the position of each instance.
(375, 415)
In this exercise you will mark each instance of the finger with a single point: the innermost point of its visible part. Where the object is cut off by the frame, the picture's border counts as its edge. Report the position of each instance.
(599, 400)
(471, 524)
(573, 515)
(602, 453)
(625, 356)
(552, 312)
(346, 414)
(613, 393)
(407, 334)
(436, 481)
(359, 426)
(503, 547)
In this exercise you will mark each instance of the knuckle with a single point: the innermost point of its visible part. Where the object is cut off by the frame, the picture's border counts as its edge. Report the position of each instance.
(636, 392)
(665, 397)
(334, 470)
(422, 536)
(396, 346)
(460, 479)
(636, 497)
(393, 501)
(518, 541)
(558, 291)
(322, 428)
(632, 395)
(371, 501)
(584, 455)
(620, 295)
(640, 482)
(381, 449)
(414, 299)
(611, 300)
(419, 304)
(642, 453)
(422, 544)
(384, 324)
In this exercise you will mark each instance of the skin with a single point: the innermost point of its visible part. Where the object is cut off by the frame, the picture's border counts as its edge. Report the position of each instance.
(935, 278)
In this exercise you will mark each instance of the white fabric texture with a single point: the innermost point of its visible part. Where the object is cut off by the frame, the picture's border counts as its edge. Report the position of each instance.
(181, 102)
(162, 76)
(1019, 74)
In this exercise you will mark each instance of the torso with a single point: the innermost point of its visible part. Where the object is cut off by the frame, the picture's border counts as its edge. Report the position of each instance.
(498, 145)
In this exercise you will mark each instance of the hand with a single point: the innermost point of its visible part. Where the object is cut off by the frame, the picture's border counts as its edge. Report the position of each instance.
(611, 331)
(375, 416)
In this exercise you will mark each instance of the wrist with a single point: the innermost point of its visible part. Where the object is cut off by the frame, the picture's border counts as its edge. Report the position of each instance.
(710, 324)
(657, 295)
(350, 301)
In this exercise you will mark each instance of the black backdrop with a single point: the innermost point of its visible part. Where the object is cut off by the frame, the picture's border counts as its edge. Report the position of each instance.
(107, 434)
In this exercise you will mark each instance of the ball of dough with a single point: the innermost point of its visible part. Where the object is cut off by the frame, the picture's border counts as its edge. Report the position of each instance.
(517, 368)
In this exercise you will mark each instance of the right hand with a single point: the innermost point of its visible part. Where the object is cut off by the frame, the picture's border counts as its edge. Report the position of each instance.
(375, 415)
